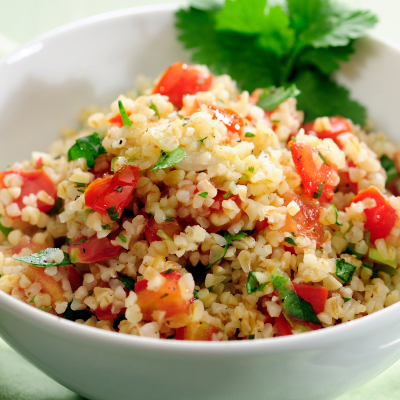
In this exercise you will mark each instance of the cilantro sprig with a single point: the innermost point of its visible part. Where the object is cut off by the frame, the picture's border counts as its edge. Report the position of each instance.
(167, 160)
(301, 43)
(88, 147)
(40, 259)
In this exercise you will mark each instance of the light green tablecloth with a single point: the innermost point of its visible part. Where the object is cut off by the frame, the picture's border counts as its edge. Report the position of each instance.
(22, 381)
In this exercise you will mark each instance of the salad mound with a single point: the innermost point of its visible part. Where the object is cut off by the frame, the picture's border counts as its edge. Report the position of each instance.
(193, 211)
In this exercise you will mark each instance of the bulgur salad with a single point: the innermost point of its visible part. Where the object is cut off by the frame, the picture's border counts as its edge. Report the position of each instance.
(191, 211)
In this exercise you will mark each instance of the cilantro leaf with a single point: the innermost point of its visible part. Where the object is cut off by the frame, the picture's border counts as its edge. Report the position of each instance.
(290, 241)
(271, 98)
(242, 16)
(168, 160)
(203, 194)
(277, 36)
(344, 270)
(122, 238)
(337, 217)
(249, 134)
(319, 95)
(127, 281)
(40, 259)
(252, 283)
(155, 109)
(88, 147)
(5, 231)
(317, 195)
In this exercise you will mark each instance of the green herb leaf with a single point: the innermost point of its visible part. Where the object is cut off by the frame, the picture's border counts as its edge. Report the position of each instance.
(290, 241)
(344, 270)
(73, 315)
(242, 16)
(47, 309)
(336, 215)
(252, 283)
(80, 190)
(346, 299)
(374, 273)
(81, 241)
(251, 337)
(127, 281)
(57, 207)
(106, 227)
(163, 235)
(168, 271)
(155, 109)
(5, 231)
(124, 115)
(279, 281)
(168, 160)
(227, 195)
(203, 194)
(88, 147)
(122, 237)
(367, 237)
(112, 214)
(39, 259)
(195, 292)
(271, 98)
(317, 195)
(251, 169)
(249, 134)
(390, 167)
(323, 159)
(80, 184)
(202, 140)
(188, 122)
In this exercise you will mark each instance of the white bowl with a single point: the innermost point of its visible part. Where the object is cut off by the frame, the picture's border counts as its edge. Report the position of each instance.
(43, 86)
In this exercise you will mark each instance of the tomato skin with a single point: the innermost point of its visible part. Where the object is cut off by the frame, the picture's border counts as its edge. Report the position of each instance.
(168, 298)
(233, 122)
(339, 125)
(283, 325)
(306, 220)
(316, 296)
(381, 218)
(311, 177)
(105, 314)
(113, 191)
(261, 225)
(33, 182)
(92, 249)
(75, 279)
(196, 331)
(171, 228)
(180, 79)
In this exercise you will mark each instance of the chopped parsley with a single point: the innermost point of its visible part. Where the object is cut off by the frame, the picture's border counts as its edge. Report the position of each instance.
(168, 160)
(317, 195)
(106, 227)
(290, 241)
(169, 219)
(299, 43)
(390, 167)
(154, 108)
(88, 147)
(32, 300)
(249, 134)
(346, 299)
(122, 238)
(336, 215)
(323, 159)
(202, 140)
(47, 309)
(251, 169)
(80, 184)
(127, 281)
(73, 315)
(203, 194)
(168, 271)
(5, 231)
(227, 195)
(112, 214)
(271, 98)
(188, 122)
(40, 259)
(251, 337)
(195, 292)
(124, 115)
(252, 283)
(80, 190)
(81, 241)
(344, 270)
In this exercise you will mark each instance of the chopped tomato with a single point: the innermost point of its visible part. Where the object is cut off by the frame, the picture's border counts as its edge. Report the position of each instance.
(261, 225)
(180, 79)
(105, 314)
(33, 182)
(316, 296)
(49, 285)
(306, 221)
(316, 181)
(102, 165)
(171, 228)
(219, 198)
(75, 279)
(39, 163)
(233, 122)
(338, 124)
(283, 326)
(113, 192)
(381, 218)
(26, 242)
(167, 298)
(196, 331)
(88, 250)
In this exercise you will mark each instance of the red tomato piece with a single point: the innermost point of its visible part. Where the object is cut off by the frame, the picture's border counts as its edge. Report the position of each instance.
(196, 331)
(92, 249)
(381, 218)
(316, 296)
(261, 225)
(105, 314)
(33, 182)
(180, 79)
(75, 279)
(338, 124)
(171, 228)
(311, 176)
(283, 326)
(233, 122)
(168, 298)
(113, 191)
(306, 221)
